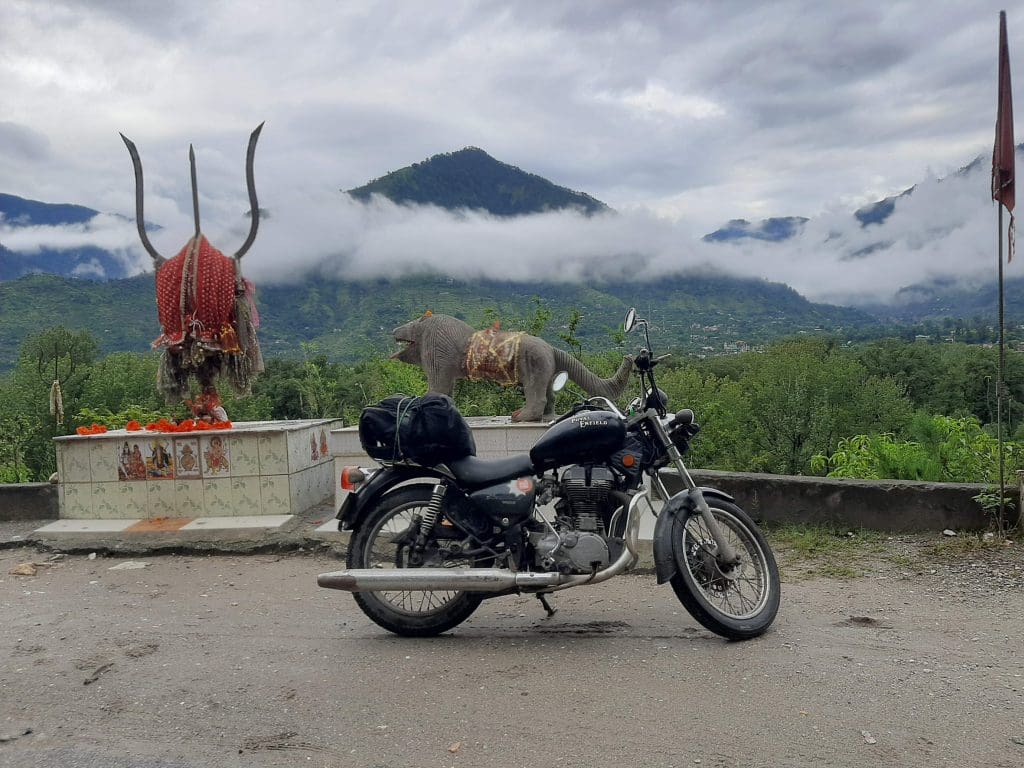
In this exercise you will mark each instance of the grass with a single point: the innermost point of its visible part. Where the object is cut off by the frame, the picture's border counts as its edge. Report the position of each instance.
(812, 541)
(810, 551)
(962, 545)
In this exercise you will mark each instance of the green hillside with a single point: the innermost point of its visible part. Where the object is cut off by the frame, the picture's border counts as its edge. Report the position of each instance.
(470, 178)
(349, 321)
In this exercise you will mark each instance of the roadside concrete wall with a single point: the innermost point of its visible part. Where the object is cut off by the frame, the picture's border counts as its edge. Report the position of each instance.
(28, 501)
(882, 505)
(891, 505)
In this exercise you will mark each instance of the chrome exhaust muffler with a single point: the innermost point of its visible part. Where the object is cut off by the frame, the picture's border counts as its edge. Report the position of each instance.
(435, 579)
(481, 579)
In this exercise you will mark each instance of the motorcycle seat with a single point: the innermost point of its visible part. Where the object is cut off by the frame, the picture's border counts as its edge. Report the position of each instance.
(480, 473)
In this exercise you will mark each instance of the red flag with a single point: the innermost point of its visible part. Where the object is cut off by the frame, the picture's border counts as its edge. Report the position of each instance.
(1003, 152)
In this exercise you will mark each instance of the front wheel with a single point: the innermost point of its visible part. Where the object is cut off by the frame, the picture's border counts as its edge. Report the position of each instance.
(739, 602)
(384, 541)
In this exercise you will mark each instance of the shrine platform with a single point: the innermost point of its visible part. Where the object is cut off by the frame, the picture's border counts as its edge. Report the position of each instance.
(260, 469)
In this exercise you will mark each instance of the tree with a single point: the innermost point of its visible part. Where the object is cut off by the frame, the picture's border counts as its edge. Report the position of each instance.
(722, 409)
(806, 395)
(53, 354)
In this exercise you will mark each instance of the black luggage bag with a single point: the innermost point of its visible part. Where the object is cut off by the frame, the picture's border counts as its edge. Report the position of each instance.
(426, 430)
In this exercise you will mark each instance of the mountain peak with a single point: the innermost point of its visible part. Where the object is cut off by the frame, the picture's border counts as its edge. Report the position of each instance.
(773, 230)
(471, 178)
(22, 212)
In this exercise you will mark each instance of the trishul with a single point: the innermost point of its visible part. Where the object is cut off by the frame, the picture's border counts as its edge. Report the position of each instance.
(206, 309)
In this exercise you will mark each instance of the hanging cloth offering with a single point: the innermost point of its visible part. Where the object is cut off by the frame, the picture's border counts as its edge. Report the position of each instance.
(493, 355)
(56, 401)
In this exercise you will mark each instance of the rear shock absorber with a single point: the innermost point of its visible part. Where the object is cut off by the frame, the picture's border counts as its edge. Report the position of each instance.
(430, 516)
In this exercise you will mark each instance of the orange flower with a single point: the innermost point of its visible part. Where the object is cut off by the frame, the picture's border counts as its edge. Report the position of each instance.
(95, 429)
(133, 426)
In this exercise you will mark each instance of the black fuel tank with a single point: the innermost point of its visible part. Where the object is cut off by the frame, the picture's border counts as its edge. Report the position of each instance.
(585, 438)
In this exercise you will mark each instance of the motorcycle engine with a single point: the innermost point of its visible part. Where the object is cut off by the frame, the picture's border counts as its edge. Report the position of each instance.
(571, 551)
(587, 490)
(579, 545)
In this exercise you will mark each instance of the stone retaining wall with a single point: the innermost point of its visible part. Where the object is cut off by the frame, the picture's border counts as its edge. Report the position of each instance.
(893, 505)
(28, 501)
(883, 505)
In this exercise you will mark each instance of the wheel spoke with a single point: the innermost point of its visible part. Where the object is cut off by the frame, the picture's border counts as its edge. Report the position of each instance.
(383, 552)
(738, 593)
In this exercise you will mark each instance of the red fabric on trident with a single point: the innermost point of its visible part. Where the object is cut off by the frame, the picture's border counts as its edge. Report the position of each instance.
(206, 277)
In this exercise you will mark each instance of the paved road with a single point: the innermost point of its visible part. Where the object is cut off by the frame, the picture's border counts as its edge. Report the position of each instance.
(242, 660)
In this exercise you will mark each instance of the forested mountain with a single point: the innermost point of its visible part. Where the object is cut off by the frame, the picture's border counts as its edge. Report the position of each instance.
(87, 261)
(470, 178)
(352, 320)
(944, 299)
(19, 211)
(772, 230)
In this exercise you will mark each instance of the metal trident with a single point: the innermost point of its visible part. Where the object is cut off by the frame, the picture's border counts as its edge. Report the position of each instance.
(254, 206)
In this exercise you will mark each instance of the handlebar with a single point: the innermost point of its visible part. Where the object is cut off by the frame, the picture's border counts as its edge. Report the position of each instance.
(644, 361)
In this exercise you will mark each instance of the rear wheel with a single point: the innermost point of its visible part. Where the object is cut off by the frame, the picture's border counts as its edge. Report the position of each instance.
(384, 541)
(739, 602)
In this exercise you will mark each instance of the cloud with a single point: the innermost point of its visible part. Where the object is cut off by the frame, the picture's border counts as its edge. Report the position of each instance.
(681, 115)
(20, 143)
(944, 229)
(700, 111)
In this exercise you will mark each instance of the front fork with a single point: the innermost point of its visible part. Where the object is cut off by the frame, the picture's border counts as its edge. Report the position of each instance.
(725, 554)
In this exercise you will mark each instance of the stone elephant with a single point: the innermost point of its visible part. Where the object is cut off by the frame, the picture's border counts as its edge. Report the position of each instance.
(447, 349)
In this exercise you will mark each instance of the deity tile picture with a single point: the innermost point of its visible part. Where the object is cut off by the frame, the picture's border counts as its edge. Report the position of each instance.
(160, 459)
(131, 459)
(323, 445)
(216, 456)
(187, 458)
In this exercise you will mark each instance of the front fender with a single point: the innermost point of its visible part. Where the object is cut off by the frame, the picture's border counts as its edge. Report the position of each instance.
(359, 502)
(683, 502)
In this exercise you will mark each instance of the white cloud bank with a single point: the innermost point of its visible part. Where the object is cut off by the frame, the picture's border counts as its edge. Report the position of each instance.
(944, 229)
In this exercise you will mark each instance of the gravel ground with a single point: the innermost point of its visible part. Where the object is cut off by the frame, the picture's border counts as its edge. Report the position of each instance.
(887, 651)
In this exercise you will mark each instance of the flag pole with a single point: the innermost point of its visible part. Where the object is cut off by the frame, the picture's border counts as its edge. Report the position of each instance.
(1000, 386)
(1003, 172)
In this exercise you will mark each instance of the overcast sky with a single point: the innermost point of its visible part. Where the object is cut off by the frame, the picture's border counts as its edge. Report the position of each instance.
(680, 115)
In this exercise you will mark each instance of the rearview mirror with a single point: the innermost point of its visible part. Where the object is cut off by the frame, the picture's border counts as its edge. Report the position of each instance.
(630, 321)
(559, 382)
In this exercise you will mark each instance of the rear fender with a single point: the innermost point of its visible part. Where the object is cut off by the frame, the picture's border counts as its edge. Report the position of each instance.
(359, 502)
(676, 508)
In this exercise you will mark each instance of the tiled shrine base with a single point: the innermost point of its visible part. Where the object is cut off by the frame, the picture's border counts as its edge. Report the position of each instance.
(256, 469)
(165, 525)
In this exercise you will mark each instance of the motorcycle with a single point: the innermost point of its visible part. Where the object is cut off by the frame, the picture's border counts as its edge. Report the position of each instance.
(430, 541)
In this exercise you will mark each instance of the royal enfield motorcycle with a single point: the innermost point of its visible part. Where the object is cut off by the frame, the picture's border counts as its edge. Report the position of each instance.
(432, 537)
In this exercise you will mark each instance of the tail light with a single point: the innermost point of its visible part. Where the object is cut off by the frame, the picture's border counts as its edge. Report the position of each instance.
(352, 478)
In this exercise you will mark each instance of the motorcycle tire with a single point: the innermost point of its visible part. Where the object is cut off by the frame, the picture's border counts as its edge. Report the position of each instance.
(738, 603)
(407, 613)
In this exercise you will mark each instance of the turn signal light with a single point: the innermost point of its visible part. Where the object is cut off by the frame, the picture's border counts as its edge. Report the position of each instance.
(351, 478)
(628, 460)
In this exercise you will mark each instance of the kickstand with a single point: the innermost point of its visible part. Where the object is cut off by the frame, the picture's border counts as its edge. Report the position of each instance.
(542, 596)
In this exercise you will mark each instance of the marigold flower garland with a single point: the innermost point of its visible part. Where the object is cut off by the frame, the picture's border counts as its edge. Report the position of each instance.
(163, 425)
